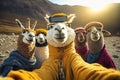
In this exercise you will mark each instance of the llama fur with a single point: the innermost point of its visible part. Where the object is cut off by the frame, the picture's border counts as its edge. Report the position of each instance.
(26, 50)
(74, 67)
(41, 49)
(97, 48)
(80, 42)
(23, 57)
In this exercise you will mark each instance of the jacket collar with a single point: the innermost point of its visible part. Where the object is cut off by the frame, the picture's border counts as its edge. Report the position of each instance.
(57, 52)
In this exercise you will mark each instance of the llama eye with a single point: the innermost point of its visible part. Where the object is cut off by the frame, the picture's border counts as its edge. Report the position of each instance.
(69, 25)
(44, 34)
(88, 30)
(76, 33)
(84, 32)
(24, 31)
(99, 29)
(51, 26)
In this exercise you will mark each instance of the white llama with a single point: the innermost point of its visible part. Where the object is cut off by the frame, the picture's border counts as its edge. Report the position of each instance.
(41, 49)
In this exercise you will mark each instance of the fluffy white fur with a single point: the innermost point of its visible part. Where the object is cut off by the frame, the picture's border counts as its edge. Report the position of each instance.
(41, 52)
(40, 38)
(69, 35)
(29, 36)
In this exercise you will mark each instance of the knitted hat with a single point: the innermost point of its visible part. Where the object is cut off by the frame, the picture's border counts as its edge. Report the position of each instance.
(44, 31)
(94, 23)
(58, 17)
(59, 14)
(80, 29)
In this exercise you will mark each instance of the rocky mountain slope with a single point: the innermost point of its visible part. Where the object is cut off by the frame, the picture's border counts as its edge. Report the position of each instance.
(36, 9)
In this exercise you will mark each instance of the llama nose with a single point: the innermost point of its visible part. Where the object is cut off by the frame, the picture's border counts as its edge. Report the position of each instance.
(31, 39)
(59, 30)
(41, 38)
(94, 32)
(30, 35)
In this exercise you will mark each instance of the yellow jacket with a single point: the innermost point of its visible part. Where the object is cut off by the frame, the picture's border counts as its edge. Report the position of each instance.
(74, 67)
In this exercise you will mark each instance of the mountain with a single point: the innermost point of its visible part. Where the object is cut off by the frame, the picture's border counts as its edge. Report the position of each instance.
(37, 9)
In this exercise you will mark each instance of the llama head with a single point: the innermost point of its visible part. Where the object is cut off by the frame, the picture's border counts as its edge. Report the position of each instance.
(41, 37)
(94, 31)
(80, 35)
(59, 32)
(28, 34)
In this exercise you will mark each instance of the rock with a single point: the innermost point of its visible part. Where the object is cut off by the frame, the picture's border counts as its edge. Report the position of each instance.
(118, 33)
(1, 60)
(7, 51)
(118, 47)
(13, 34)
(115, 56)
(0, 44)
(114, 44)
(1, 40)
(118, 51)
(14, 40)
(2, 56)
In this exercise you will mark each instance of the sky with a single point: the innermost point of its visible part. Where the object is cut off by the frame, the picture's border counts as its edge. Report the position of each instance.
(93, 4)
(84, 2)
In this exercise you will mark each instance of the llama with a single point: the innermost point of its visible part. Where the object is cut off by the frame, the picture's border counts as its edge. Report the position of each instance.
(60, 38)
(41, 49)
(97, 49)
(23, 57)
(80, 42)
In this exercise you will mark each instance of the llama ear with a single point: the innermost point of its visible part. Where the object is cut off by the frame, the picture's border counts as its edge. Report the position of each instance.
(19, 24)
(28, 23)
(106, 33)
(34, 25)
(70, 18)
(47, 19)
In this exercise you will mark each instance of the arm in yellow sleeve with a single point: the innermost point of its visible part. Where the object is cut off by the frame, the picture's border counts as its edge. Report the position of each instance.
(6, 78)
(85, 71)
(23, 75)
(47, 71)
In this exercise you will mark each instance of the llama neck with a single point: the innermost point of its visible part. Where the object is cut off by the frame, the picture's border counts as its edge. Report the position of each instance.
(81, 45)
(42, 52)
(95, 47)
(26, 50)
